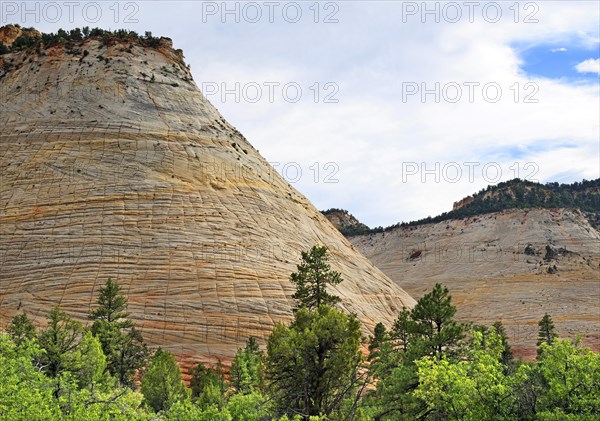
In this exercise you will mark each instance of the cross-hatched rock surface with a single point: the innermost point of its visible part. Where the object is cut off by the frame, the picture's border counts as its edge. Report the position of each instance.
(113, 164)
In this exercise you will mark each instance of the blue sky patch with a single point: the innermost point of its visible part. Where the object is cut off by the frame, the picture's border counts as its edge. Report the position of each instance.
(521, 152)
(557, 61)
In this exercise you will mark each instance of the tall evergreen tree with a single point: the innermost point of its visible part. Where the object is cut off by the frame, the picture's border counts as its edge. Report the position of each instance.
(429, 329)
(112, 306)
(313, 364)
(246, 373)
(208, 385)
(122, 343)
(507, 356)
(376, 341)
(434, 316)
(402, 330)
(312, 278)
(132, 355)
(59, 339)
(547, 332)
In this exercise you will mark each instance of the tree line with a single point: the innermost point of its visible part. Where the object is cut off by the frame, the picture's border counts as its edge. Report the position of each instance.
(318, 367)
(516, 194)
(26, 41)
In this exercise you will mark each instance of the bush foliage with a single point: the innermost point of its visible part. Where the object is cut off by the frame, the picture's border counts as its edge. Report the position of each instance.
(69, 38)
(426, 366)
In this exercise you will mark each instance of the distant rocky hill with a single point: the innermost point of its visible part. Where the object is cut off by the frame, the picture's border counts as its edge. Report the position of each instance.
(523, 194)
(113, 164)
(10, 33)
(512, 265)
(513, 194)
(510, 252)
(345, 222)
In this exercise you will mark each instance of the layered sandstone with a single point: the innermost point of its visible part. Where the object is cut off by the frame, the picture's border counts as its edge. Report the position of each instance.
(512, 266)
(114, 165)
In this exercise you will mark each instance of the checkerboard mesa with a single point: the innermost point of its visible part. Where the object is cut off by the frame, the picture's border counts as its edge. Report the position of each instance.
(115, 165)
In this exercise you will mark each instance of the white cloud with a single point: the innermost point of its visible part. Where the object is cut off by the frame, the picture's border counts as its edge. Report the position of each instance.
(371, 131)
(558, 50)
(589, 66)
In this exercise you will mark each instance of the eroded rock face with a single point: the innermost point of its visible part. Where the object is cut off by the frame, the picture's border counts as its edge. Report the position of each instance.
(345, 222)
(462, 203)
(9, 33)
(114, 165)
(497, 267)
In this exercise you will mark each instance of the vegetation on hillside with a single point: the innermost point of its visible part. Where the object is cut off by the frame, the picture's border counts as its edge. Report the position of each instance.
(347, 224)
(518, 194)
(427, 366)
(30, 42)
(523, 194)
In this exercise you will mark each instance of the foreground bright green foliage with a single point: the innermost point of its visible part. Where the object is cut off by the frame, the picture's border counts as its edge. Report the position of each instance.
(427, 367)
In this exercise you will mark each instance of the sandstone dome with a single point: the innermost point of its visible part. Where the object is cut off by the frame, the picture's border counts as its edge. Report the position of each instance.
(113, 164)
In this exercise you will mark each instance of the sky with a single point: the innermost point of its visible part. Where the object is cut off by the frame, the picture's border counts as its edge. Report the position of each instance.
(392, 110)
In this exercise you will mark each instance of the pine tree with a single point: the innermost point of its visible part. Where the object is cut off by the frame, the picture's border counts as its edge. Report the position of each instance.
(201, 376)
(403, 328)
(547, 333)
(376, 341)
(312, 278)
(434, 317)
(112, 306)
(429, 329)
(507, 355)
(313, 364)
(122, 344)
(246, 373)
(208, 385)
(59, 340)
(21, 329)
(162, 384)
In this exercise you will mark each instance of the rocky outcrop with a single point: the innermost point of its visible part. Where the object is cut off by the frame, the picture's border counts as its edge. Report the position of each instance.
(462, 203)
(114, 165)
(512, 266)
(9, 33)
(345, 222)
